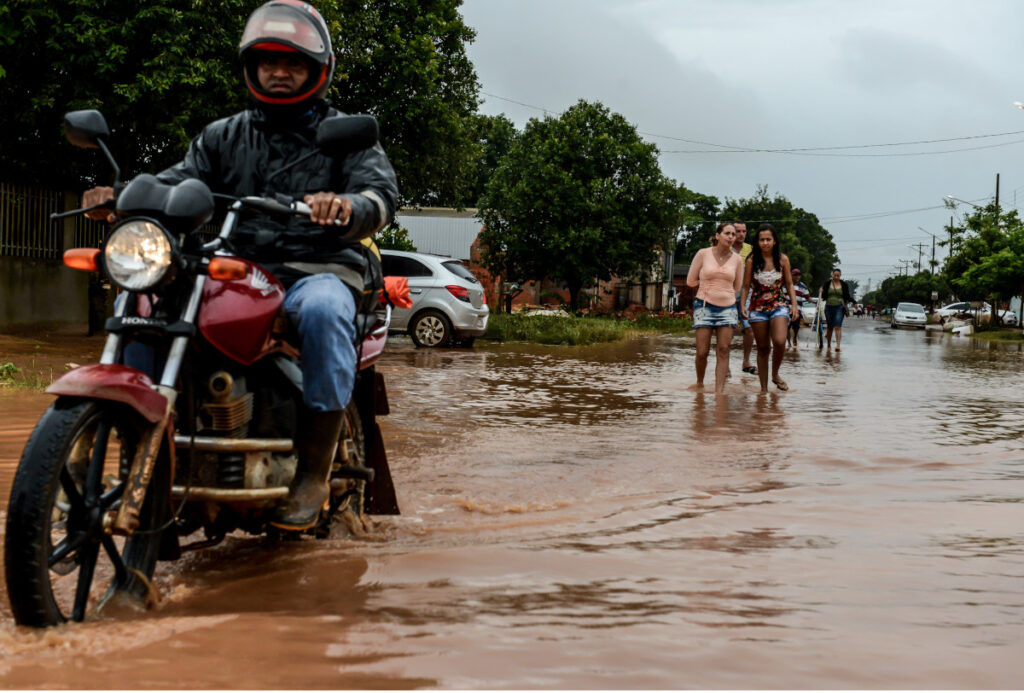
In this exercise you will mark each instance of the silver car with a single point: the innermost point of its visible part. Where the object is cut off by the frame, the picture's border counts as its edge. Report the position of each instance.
(448, 303)
(908, 315)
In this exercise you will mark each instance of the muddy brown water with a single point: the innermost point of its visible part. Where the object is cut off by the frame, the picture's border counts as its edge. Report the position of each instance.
(583, 518)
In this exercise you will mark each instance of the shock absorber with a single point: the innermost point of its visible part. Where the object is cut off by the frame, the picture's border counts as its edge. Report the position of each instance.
(231, 470)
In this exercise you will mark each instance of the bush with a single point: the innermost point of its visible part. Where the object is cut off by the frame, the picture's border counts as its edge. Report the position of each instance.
(547, 329)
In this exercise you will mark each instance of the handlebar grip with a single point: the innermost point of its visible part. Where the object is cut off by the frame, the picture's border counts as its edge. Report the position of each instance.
(305, 210)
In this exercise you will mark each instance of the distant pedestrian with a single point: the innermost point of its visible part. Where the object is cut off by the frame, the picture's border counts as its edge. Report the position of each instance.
(744, 250)
(768, 279)
(802, 294)
(836, 294)
(716, 273)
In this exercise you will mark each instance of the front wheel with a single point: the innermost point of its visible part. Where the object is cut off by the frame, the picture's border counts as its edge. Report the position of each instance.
(60, 558)
(430, 329)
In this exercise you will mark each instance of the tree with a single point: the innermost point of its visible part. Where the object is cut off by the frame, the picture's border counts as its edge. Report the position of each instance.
(160, 70)
(394, 237)
(698, 224)
(916, 288)
(405, 62)
(807, 243)
(493, 137)
(988, 263)
(578, 198)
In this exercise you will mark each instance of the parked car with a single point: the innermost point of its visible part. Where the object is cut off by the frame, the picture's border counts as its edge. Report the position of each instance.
(808, 310)
(909, 315)
(1007, 317)
(448, 303)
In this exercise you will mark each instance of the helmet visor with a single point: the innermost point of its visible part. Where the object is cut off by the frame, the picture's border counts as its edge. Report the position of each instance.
(283, 24)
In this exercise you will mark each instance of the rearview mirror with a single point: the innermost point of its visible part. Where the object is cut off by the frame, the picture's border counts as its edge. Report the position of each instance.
(340, 135)
(85, 128)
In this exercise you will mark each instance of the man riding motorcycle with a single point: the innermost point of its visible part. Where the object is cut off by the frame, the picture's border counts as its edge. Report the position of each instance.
(288, 65)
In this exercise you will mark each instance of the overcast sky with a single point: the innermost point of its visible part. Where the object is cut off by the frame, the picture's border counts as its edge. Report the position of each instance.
(785, 74)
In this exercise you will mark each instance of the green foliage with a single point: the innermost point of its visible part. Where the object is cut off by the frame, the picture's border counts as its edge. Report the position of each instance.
(988, 259)
(698, 226)
(493, 137)
(394, 237)
(405, 62)
(547, 329)
(916, 288)
(7, 372)
(578, 198)
(160, 70)
(807, 243)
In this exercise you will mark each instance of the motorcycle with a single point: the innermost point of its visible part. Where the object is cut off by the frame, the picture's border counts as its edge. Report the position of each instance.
(124, 463)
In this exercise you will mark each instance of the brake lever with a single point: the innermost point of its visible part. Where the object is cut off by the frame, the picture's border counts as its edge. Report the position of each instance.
(108, 204)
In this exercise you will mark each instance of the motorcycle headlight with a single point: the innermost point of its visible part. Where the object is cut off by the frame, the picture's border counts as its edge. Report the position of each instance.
(137, 255)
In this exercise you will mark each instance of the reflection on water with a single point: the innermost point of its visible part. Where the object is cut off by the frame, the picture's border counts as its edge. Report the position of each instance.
(582, 517)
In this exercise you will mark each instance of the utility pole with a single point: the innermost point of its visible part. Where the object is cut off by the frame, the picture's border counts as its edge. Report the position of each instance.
(920, 251)
(997, 193)
(933, 256)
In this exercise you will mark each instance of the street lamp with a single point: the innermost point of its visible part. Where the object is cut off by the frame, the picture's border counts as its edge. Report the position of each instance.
(957, 199)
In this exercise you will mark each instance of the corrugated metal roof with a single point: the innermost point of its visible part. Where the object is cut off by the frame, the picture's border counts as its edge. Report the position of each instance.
(441, 231)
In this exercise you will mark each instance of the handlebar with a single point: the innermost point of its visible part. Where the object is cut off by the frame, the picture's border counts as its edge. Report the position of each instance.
(277, 207)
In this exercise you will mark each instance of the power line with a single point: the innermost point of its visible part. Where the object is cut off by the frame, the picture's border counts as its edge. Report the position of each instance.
(805, 151)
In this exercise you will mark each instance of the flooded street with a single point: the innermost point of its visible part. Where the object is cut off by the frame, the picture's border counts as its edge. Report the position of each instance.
(582, 517)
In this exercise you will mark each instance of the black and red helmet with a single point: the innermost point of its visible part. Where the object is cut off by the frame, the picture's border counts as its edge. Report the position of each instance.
(288, 26)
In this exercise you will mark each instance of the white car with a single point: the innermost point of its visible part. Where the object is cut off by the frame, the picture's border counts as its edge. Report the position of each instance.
(909, 315)
(808, 310)
(448, 303)
(1007, 317)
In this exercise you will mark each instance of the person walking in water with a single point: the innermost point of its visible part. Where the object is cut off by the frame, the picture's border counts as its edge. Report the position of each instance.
(802, 294)
(837, 296)
(744, 250)
(768, 279)
(716, 273)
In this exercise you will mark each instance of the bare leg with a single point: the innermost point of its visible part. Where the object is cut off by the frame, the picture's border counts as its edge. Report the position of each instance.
(760, 330)
(748, 345)
(828, 338)
(703, 347)
(723, 335)
(839, 337)
(779, 328)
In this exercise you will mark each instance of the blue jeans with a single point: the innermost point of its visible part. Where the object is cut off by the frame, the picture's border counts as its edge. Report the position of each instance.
(323, 311)
(834, 316)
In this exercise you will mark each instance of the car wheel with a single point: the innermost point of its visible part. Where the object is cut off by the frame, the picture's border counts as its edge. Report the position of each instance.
(430, 329)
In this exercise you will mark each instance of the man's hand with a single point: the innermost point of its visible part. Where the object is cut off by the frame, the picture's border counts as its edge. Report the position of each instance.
(95, 196)
(327, 206)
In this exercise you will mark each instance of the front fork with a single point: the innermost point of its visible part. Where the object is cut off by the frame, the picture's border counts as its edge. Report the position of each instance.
(141, 470)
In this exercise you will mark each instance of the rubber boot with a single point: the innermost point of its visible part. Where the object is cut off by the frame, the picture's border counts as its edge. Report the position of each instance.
(309, 490)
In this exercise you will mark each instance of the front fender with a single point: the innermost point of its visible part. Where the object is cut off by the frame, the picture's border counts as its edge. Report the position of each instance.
(115, 383)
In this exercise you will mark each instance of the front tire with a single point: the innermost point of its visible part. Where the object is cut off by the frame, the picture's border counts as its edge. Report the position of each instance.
(69, 482)
(431, 329)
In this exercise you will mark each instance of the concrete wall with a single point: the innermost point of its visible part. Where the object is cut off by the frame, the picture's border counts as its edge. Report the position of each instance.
(42, 294)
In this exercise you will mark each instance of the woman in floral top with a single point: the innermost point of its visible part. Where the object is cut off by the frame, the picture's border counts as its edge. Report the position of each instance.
(768, 279)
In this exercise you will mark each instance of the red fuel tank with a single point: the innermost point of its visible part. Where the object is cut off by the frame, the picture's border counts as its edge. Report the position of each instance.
(237, 316)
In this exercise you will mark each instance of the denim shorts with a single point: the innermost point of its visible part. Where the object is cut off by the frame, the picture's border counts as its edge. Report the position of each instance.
(741, 323)
(834, 316)
(708, 315)
(761, 316)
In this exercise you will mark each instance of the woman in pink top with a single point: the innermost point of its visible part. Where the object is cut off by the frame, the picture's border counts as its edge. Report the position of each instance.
(717, 273)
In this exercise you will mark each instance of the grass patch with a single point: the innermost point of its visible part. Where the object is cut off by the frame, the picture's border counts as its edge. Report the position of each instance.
(1003, 334)
(580, 330)
(29, 378)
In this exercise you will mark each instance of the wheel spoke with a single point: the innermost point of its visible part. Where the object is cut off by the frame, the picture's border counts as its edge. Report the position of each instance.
(66, 547)
(120, 571)
(85, 571)
(112, 496)
(94, 477)
(70, 490)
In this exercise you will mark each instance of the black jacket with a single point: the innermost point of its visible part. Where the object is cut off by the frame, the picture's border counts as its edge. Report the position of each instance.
(235, 155)
(847, 298)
